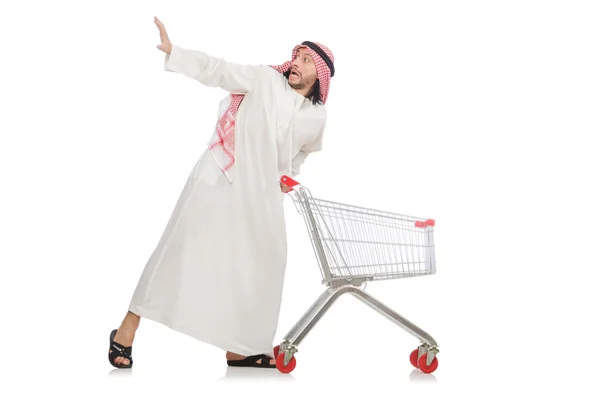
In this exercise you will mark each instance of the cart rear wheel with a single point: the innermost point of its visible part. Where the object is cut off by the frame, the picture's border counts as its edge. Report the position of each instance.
(414, 358)
(427, 368)
(286, 369)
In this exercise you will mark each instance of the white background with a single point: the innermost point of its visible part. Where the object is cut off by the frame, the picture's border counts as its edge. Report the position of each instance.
(482, 115)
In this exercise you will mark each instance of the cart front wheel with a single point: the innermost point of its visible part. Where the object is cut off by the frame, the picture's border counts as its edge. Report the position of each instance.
(427, 368)
(286, 369)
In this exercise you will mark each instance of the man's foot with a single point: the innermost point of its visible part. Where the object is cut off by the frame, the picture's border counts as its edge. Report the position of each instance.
(259, 361)
(125, 336)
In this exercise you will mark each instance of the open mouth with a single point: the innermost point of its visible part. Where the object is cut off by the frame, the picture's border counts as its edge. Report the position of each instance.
(295, 74)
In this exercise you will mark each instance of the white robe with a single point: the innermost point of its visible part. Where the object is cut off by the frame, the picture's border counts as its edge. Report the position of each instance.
(218, 270)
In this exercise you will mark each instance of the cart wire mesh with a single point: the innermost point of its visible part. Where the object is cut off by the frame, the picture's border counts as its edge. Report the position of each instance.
(357, 242)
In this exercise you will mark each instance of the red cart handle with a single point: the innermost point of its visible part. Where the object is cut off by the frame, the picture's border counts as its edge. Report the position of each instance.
(289, 182)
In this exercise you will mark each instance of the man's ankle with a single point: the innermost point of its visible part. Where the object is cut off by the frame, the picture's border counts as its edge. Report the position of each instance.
(131, 321)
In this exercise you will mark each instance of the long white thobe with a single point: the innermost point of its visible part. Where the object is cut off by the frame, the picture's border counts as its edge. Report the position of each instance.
(217, 272)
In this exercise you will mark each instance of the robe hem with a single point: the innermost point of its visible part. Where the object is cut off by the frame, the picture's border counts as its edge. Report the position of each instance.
(220, 344)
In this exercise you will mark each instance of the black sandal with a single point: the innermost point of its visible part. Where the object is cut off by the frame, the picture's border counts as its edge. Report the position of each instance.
(250, 361)
(118, 350)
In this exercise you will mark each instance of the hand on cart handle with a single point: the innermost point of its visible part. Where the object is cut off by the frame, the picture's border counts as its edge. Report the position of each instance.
(285, 188)
(287, 184)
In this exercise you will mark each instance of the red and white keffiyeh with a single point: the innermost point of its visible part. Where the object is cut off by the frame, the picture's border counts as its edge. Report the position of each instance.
(222, 144)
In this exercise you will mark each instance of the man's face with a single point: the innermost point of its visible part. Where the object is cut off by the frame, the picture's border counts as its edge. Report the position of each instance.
(304, 72)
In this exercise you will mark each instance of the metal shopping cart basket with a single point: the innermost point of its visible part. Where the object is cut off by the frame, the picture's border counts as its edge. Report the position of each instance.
(353, 246)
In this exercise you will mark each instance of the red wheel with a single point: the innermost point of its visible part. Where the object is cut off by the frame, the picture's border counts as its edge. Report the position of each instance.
(414, 358)
(276, 351)
(427, 368)
(286, 369)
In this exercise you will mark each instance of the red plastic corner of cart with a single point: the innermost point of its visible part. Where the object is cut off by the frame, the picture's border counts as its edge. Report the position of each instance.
(428, 222)
(286, 180)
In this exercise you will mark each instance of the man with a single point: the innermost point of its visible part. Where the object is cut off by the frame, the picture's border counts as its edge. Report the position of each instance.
(217, 272)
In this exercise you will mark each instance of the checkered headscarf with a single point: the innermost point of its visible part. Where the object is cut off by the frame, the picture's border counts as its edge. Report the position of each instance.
(324, 72)
(222, 144)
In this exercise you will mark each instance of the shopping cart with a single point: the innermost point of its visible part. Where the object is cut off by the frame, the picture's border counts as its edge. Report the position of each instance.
(353, 246)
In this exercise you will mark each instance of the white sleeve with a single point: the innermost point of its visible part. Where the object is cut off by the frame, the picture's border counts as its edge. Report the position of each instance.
(211, 71)
(307, 149)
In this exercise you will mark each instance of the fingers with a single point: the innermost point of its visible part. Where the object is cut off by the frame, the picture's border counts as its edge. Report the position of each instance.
(285, 188)
(159, 25)
(164, 45)
(161, 29)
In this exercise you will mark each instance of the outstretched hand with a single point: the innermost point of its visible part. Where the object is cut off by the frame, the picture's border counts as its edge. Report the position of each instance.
(165, 44)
